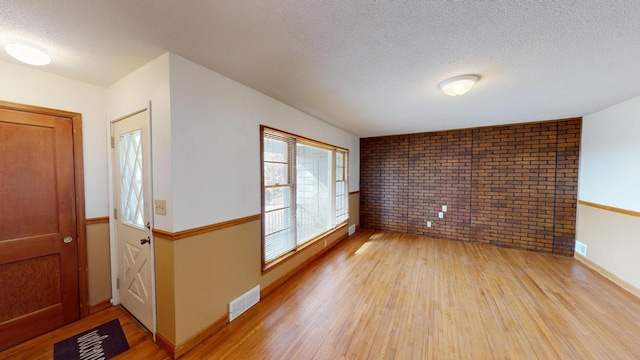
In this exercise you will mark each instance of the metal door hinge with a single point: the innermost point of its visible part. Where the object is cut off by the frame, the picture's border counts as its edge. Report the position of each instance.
(115, 213)
(113, 143)
(117, 283)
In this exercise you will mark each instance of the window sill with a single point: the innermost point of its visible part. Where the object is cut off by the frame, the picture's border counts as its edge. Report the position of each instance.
(273, 264)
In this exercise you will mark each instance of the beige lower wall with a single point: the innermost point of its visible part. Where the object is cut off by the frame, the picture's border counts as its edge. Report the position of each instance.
(165, 288)
(212, 269)
(613, 241)
(209, 270)
(99, 263)
(354, 208)
(197, 276)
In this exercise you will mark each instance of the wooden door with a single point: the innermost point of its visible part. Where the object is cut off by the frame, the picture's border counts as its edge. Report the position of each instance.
(38, 234)
(133, 222)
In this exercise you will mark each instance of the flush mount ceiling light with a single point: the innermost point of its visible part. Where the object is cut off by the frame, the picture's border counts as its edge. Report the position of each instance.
(458, 85)
(27, 53)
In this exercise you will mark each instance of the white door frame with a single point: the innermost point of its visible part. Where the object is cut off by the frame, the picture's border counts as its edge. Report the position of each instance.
(113, 241)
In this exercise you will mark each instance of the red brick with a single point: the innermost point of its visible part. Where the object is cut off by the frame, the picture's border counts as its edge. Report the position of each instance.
(513, 186)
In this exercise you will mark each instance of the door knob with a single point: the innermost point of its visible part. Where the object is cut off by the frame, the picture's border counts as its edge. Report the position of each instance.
(145, 241)
(67, 239)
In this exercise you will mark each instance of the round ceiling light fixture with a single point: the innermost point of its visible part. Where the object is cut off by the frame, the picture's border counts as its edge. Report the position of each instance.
(27, 53)
(458, 85)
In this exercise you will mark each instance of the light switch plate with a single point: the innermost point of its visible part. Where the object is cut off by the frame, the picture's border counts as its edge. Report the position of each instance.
(444, 208)
(441, 215)
(160, 207)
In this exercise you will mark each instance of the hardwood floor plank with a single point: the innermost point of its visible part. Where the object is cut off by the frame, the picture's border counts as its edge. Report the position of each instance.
(140, 342)
(398, 296)
(390, 296)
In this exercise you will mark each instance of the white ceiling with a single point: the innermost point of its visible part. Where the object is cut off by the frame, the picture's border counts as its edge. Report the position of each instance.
(369, 67)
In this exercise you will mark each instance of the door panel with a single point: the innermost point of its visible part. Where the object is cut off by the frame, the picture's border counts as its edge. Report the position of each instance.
(38, 269)
(28, 158)
(131, 167)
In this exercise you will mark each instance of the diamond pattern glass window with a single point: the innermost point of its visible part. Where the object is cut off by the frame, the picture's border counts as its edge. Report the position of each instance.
(131, 178)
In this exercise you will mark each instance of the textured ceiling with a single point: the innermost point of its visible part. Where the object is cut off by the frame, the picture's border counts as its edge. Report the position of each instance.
(369, 67)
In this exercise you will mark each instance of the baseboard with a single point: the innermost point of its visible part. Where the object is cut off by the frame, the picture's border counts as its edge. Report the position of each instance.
(100, 306)
(276, 284)
(199, 337)
(616, 280)
(177, 351)
(166, 345)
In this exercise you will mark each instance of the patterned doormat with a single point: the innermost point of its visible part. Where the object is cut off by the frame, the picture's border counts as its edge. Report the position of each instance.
(102, 342)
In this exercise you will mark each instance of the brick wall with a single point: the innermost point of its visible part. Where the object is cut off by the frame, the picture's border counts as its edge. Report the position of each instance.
(440, 174)
(385, 175)
(567, 156)
(511, 186)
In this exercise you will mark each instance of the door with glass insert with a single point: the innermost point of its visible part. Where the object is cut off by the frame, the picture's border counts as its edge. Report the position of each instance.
(131, 184)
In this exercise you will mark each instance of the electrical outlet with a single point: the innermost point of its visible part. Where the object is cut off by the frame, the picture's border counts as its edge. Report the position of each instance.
(160, 207)
(444, 208)
(581, 248)
(428, 223)
(440, 214)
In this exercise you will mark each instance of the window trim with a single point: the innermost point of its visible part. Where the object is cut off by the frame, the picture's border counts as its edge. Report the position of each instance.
(345, 181)
(273, 263)
(282, 259)
(289, 183)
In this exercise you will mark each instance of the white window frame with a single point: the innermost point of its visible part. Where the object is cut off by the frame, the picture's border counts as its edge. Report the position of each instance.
(344, 214)
(338, 219)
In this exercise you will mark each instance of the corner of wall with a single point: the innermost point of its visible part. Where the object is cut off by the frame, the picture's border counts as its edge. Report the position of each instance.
(99, 264)
(165, 289)
(354, 208)
(608, 219)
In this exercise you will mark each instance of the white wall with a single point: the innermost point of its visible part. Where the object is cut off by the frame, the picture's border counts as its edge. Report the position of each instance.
(132, 94)
(610, 156)
(215, 127)
(30, 86)
(610, 176)
(202, 124)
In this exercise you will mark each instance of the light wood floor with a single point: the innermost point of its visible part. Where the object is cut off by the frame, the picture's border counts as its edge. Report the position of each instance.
(390, 296)
(140, 341)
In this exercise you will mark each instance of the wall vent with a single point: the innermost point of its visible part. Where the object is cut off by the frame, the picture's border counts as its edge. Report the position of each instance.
(243, 302)
(581, 248)
(352, 229)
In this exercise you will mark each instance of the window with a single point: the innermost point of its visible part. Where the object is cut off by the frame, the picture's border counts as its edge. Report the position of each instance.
(131, 181)
(342, 201)
(304, 185)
